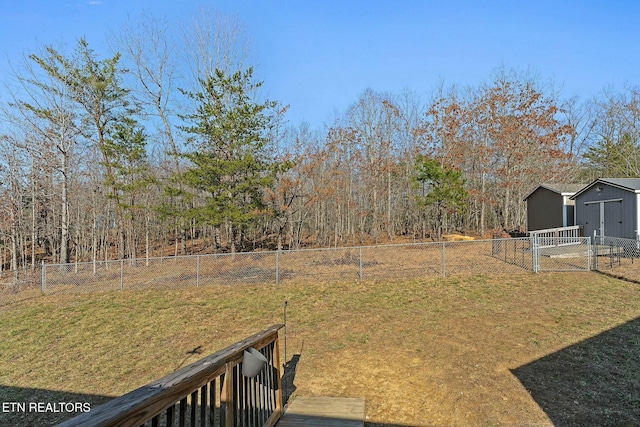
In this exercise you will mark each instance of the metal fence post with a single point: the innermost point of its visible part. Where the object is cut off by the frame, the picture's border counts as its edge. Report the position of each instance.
(277, 268)
(588, 241)
(197, 271)
(534, 252)
(360, 275)
(444, 261)
(595, 251)
(121, 274)
(506, 251)
(536, 243)
(43, 279)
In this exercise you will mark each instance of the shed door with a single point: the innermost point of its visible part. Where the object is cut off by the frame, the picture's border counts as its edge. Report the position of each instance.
(592, 219)
(612, 221)
(605, 217)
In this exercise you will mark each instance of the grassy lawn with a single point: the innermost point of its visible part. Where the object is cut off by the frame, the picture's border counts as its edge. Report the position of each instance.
(525, 349)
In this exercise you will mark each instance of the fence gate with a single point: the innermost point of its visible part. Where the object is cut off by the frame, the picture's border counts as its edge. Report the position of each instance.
(561, 253)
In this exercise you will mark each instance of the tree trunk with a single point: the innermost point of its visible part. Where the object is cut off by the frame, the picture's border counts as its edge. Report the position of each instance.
(390, 229)
(94, 242)
(483, 205)
(147, 244)
(64, 215)
(34, 224)
(507, 202)
(14, 244)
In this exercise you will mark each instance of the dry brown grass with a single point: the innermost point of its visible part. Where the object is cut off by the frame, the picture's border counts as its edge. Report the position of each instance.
(457, 237)
(455, 351)
(392, 262)
(620, 267)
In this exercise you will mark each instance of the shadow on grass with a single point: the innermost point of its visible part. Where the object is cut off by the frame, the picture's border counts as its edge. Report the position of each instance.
(288, 378)
(38, 407)
(595, 382)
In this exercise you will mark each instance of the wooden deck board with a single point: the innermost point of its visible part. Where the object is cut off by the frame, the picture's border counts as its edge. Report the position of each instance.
(324, 412)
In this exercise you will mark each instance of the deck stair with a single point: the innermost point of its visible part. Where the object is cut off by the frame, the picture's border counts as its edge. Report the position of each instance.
(324, 412)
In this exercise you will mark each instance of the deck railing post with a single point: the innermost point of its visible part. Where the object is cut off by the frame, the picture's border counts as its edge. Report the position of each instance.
(278, 372)
(226, 396)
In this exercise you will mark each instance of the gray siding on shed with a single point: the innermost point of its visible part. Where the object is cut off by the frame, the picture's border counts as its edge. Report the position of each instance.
(544, 209)
(619, 217)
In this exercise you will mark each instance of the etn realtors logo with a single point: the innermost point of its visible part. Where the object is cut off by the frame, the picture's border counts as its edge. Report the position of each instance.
(43, 407)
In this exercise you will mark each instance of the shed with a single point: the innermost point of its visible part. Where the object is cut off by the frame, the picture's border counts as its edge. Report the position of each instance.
(550, 206)
(610, 207)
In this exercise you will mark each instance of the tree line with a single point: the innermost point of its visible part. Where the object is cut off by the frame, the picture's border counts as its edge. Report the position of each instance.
(163, 143)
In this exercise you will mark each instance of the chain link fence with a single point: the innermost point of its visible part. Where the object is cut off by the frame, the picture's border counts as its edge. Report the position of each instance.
(617, 256)
(563, 254)
(355, 264)
(20, 285)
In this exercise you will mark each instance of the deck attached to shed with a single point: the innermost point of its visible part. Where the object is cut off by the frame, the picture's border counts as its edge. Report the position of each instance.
(324, 412)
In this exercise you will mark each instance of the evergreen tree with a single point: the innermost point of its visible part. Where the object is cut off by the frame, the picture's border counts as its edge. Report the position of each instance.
(125, 153)
(230, 166)
(614, 158)
(443, 189)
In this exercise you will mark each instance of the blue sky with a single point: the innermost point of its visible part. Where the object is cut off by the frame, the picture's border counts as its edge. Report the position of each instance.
(319, 56)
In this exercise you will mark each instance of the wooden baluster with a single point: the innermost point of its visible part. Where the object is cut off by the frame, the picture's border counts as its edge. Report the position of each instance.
(183, 413)
(194, 407)
(170, 415)
(212, 402)
(203, 406)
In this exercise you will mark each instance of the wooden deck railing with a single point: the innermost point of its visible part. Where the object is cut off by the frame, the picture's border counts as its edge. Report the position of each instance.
(210, 392)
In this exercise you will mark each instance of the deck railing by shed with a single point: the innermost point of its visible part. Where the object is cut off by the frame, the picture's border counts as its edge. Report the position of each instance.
(211, 392)
(561, 236)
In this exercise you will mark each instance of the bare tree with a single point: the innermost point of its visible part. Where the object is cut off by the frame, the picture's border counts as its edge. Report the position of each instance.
(213, 40)
(95, 87)
(42, 106)
(614, 148)
(15, 187)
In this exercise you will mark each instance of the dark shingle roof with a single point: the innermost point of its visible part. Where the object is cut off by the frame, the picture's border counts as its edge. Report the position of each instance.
(564, 187)
(560, 188)
(629, 184)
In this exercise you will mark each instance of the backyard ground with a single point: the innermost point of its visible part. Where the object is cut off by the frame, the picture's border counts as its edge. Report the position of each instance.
(499, 350)
(357, 264)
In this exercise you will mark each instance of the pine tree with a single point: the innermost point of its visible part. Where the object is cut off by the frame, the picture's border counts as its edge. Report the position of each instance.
(443, 189)
(230, 166)
(613, 159)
